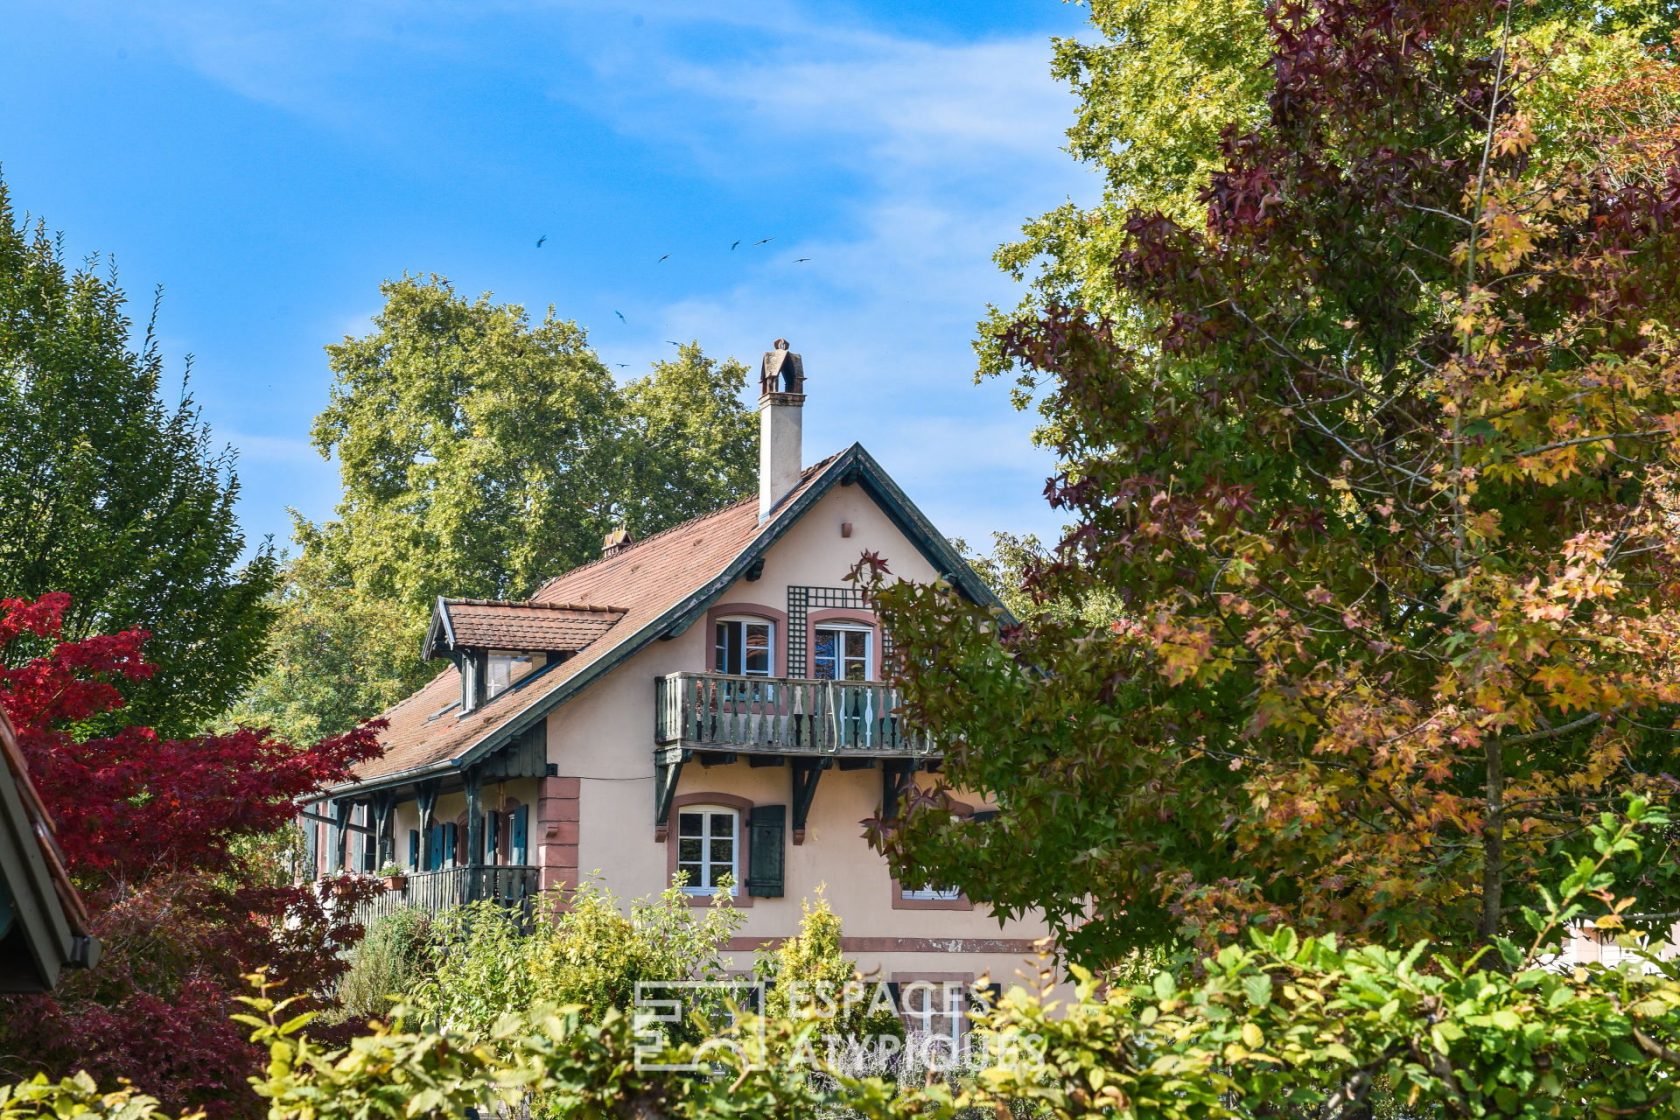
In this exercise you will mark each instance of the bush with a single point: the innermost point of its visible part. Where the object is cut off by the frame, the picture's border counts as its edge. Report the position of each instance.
(589, 953)
(394, 957)
(810, 969)
(1285, 1028)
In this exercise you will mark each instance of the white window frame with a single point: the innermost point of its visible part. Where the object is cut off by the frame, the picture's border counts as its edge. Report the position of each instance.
(510, 658)
(930, 894)
(920, 1020)
(744, 622)
(709, 869)
(840, 658)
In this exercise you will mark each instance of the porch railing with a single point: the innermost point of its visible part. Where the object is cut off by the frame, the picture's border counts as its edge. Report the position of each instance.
(437, 891)
(784, 715)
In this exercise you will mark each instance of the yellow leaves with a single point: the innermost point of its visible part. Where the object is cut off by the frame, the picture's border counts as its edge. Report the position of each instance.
(1568, 688)
(1181, 646)
(1517, 136)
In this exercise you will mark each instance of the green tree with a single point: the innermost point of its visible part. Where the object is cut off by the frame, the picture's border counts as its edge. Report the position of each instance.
(1159, 84)
(1382, 477)
(481, 453)
(112, 495)
(689, 447)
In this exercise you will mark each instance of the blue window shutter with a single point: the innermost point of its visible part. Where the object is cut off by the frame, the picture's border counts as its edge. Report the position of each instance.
(449, 842)
(414, 849)
(434, 861)
(492, 835)
(518, 836)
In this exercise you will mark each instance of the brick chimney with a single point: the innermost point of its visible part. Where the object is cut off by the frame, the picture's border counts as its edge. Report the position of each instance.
(781, 403)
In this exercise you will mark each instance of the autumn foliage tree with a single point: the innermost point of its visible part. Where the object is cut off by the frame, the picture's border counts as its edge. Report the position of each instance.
(151, 828)
(1381, 468)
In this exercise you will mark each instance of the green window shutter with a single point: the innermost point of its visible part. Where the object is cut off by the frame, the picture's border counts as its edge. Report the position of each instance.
(766, 850)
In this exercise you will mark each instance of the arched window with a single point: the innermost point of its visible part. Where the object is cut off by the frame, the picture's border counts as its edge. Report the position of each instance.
(708, 848)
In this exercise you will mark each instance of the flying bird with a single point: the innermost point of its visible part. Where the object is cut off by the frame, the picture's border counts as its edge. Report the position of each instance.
(764, 241)
(541, 239)
(663, 259)
(678, 345)
(623, 365)
(621, 318)
(735, 246)
(800, 260)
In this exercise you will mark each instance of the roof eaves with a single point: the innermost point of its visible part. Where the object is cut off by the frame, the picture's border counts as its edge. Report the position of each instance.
(440, 618)
(913, 523)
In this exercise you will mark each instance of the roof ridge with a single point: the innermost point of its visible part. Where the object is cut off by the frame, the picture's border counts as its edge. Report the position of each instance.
(537, 605)
(804, 476)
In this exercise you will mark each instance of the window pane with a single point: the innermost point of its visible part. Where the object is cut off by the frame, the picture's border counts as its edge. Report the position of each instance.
(728, 647)
(723, 851)
(688, 850)
(691, 824)
(757, 658)
(857, 643)
(857, 671)
(722, 824)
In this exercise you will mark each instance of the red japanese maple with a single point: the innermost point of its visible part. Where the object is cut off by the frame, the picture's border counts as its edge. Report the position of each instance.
(149, 827)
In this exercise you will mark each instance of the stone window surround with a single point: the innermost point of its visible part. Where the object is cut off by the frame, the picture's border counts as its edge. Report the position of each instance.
(850, 616)
(743, 808)
(759, 611)
(961, 902)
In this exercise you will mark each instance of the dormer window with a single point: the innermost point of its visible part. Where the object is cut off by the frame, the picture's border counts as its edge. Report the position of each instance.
(507, 669)
(486, 675)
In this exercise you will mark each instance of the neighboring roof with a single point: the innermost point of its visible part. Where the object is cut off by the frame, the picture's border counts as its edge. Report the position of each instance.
(43, 927)
(530, 625)
(662, 582)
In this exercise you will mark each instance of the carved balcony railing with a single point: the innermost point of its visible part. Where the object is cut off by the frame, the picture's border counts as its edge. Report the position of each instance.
(785, 716)
(438, 891)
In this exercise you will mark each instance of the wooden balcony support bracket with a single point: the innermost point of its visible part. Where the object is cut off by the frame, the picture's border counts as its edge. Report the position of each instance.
(384, 818)
(806, 772)
(340, 831)
(766, 760)
(425, 796)
(895, 779)
(475, 830)
(667, 769)
(308, 815)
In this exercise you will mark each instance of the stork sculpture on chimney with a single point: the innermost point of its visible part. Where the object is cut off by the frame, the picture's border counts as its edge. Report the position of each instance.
(781, 400)
(782, 371)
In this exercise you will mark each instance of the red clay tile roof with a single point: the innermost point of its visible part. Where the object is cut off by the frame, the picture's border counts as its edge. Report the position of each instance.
(649, 578)
(549, 627)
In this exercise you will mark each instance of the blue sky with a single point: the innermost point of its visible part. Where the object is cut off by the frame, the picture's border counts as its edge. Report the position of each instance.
(269, 162)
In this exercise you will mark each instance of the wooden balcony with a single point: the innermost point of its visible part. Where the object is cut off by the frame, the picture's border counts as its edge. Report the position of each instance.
(777, 716)
(438, 891)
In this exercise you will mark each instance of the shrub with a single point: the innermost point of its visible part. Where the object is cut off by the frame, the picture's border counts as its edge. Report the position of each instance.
(579, 949)
(395, 956)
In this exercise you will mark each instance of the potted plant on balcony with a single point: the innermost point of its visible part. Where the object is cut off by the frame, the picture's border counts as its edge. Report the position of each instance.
(340, 885)
(395, 877)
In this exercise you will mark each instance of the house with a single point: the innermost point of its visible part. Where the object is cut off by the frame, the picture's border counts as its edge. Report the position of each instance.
(43, 926)
(707, 702)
